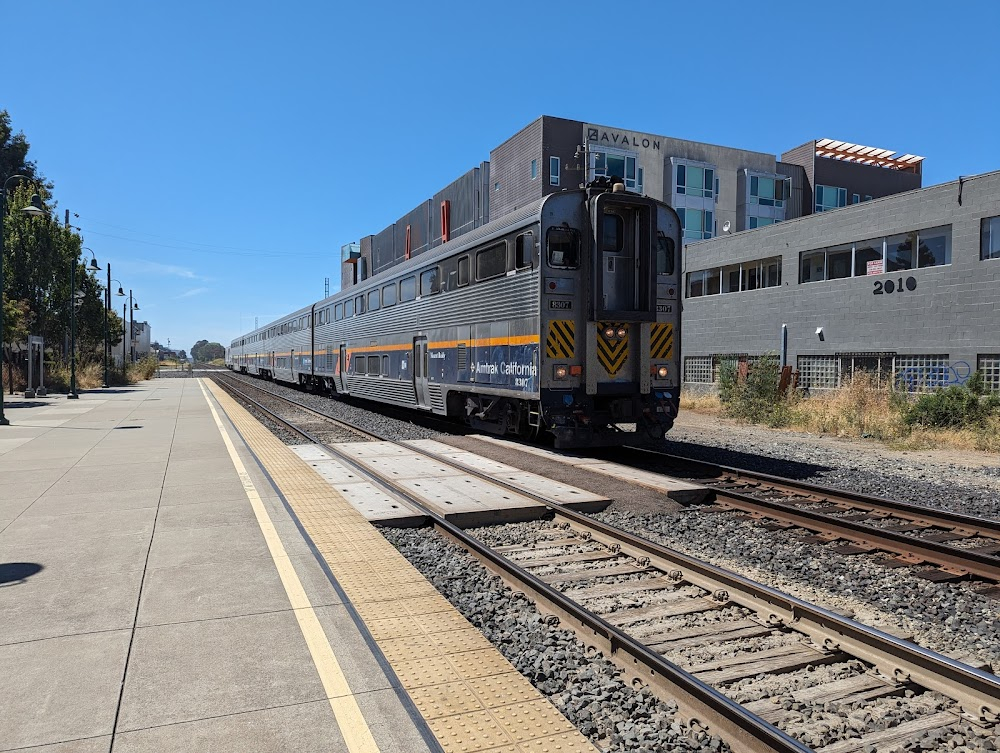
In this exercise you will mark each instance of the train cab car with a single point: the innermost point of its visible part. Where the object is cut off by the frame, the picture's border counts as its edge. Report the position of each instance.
(560, 318)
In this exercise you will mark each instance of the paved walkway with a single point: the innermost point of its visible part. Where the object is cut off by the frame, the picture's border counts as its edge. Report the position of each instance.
(155, 595)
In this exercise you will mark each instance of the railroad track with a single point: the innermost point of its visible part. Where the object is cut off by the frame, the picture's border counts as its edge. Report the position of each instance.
(936, 545)
(624, 595)
(940, 545)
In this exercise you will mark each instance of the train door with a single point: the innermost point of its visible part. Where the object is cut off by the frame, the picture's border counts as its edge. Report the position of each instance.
(420, 370)
(341, 375)
(619, 259)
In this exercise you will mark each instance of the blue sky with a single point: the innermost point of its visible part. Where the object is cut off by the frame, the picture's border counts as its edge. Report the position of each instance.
(219, 154)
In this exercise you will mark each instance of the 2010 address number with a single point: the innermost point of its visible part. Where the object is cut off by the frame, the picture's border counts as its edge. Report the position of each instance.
(886, 287)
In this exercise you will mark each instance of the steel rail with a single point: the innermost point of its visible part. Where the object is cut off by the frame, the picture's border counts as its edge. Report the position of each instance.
(917, 513)
(977, 692)
(297, 406)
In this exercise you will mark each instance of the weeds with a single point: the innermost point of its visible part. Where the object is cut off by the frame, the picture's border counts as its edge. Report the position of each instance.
(960, 417)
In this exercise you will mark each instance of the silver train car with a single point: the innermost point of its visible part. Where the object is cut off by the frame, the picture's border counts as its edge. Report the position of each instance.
(562, 317)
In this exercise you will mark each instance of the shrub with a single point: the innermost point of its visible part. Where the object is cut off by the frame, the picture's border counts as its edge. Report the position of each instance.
(755, 398)
(955, 407)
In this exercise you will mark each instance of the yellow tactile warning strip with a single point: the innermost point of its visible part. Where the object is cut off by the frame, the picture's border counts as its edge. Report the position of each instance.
(471, 696)
(353, 726)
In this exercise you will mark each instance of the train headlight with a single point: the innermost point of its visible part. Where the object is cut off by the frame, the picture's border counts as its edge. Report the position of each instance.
(661, 372)
(622, 332)
(560, 372)
(609, 332)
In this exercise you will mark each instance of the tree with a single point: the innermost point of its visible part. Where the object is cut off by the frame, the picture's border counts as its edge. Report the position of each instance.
(203, 351)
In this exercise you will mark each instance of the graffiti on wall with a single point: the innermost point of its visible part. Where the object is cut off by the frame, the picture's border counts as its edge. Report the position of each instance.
(932, 376)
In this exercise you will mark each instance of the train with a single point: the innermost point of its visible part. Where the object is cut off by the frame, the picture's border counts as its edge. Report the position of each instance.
(561, 318)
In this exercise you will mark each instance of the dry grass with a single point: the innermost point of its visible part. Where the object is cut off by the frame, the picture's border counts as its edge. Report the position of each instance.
(862, 410)
(708, 403)
(858, 410)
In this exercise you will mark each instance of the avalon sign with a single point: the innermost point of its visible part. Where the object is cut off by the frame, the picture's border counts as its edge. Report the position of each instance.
(611, 138)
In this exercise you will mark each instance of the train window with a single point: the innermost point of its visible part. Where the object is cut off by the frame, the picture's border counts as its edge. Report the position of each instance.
(665, 254)
(428, 281)
(563, 247)
(463, 271)
(338, 312)
(373, 365)
(359, 305)
(360, 362)
(408, 289)
(524, 250)
(389, 295)
(492, 261)
(385, 365)
(373, 302)
(613, 233)
(348, 308)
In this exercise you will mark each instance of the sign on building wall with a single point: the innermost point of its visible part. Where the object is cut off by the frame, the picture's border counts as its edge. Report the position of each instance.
(876, 267)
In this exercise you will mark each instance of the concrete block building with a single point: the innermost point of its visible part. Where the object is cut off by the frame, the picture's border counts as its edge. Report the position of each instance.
(906, 288)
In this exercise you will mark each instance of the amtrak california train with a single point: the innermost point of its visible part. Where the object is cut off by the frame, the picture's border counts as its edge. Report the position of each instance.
(559, 318)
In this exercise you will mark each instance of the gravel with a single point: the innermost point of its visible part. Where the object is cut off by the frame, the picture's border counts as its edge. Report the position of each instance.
(968, 483)
(587, 688)
(352, 412)
(950, 618)
(581, 683)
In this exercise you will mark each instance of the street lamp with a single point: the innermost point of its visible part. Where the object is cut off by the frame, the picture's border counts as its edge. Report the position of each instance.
(107, 333)
(34, 209)
(133, 306)
(72, 319)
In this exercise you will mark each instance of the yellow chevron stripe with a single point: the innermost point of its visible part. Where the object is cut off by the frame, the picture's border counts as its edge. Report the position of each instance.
(561, 340)
(661, 341)
(611, 354)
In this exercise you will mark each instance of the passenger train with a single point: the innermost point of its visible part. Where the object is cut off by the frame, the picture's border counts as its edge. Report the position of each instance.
(562, 317)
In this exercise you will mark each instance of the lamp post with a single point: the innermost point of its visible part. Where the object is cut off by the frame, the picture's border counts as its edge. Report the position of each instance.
(72, 319)
(35, 209)
(107, 333)
(132, 306)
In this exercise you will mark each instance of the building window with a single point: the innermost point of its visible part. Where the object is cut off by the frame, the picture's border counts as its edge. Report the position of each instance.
(855, 198)
(617, 163)
(989, 367)
(768, 192)
(756, 222)
(534, 169)
(496, 187)
(922, 373)
(990, 248)
(696, 223)
(877, 256)
(553, 171)
(698, 369)
(749, 275)
(693, 180)
(819, 372)
(935, 247)
(830, 197)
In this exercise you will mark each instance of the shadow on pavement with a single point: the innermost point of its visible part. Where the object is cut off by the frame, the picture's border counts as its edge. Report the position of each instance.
(16, 573)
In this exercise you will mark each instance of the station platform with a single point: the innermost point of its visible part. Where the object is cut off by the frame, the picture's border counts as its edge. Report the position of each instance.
(173, 577)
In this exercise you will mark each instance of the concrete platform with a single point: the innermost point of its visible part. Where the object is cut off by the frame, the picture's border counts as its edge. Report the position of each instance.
(682, 492)
(156, 594)
(465, 499)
